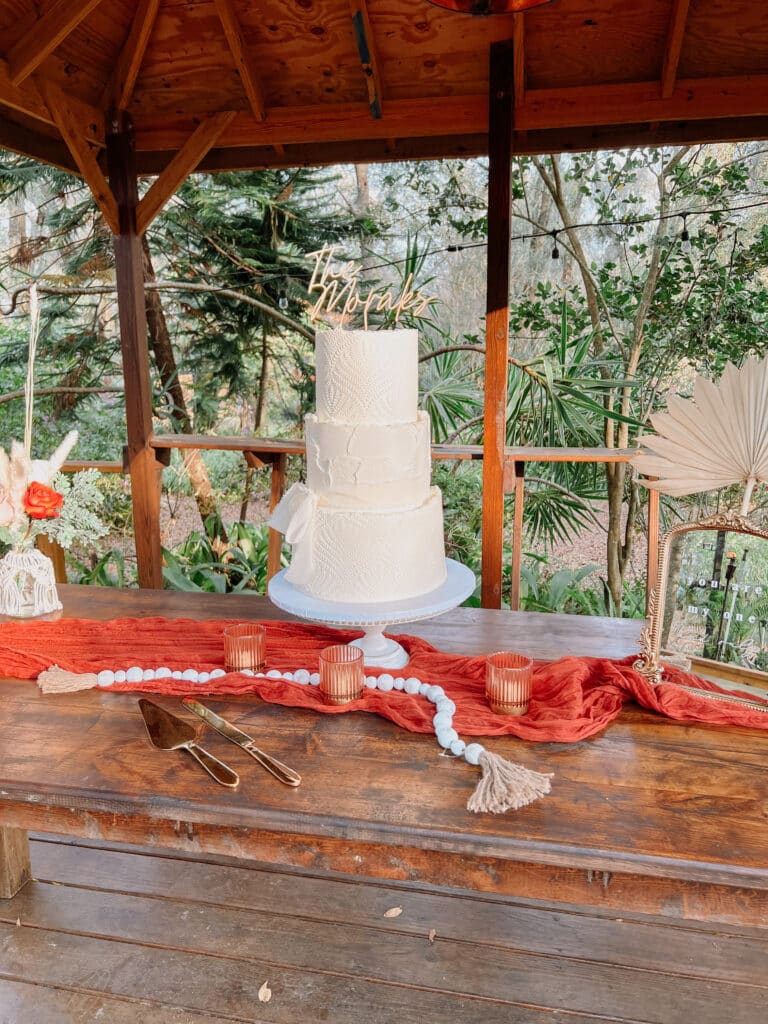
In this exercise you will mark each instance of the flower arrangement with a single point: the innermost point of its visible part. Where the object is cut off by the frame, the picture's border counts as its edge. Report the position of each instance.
(37, 498)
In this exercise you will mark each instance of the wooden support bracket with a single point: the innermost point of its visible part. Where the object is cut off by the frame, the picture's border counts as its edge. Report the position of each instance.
(180, 166)
(82, 153)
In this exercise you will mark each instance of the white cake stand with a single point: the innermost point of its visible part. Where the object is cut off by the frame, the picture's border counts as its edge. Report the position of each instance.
(374, 618)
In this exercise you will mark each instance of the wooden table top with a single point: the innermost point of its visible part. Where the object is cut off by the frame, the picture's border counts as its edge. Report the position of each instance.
(648, 795)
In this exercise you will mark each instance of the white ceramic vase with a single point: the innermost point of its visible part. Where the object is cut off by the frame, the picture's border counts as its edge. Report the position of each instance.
(27, 584)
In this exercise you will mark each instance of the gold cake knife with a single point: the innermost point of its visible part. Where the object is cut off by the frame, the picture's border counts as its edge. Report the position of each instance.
(242, 739)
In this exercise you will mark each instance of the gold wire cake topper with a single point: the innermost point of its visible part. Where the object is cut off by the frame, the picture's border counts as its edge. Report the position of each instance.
(339, 286)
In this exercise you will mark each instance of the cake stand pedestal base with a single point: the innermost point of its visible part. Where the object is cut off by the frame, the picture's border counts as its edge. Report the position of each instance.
(374, 618)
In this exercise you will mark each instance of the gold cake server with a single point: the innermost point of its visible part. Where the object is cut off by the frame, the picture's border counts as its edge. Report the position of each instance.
(242, 739)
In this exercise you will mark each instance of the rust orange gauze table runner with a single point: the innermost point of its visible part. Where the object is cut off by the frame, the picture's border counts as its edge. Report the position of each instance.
(572, 698)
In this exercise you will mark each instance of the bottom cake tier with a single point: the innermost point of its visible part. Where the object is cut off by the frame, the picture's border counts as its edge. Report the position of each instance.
(369, 556)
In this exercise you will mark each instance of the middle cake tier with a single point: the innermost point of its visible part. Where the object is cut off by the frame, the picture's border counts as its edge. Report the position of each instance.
(369, 465)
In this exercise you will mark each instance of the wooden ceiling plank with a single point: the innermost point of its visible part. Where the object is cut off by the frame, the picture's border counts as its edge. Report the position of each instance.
(122, 83)
(234, 36)
(674, 44)
(180, 167)
(366, 47)
(28, 101)
(39, 41)
(518, 58)
(84, 156)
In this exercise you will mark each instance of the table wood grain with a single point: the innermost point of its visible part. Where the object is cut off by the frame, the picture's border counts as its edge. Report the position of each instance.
(651, 811)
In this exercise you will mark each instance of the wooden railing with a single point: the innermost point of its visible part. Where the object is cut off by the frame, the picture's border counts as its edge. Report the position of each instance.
(262, 452)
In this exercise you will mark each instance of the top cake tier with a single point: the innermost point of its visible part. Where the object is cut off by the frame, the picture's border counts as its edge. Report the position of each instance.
(367, 376)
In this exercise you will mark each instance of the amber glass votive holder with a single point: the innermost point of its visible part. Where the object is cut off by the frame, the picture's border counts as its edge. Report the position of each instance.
(342, 675)
(245, 646)
(508, 682)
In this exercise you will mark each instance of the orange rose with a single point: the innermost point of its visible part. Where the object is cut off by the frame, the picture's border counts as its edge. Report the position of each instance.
(41, 502)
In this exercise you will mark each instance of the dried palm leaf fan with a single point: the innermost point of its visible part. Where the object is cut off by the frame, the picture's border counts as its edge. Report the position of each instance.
(717, 439)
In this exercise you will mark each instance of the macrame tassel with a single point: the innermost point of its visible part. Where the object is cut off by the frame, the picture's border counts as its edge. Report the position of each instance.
(57, 680)
(506, 786)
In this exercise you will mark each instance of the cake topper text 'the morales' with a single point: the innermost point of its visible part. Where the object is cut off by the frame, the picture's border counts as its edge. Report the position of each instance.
(339, 288)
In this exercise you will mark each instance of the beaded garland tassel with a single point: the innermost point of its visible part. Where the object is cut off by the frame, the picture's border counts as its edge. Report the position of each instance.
(504, 785)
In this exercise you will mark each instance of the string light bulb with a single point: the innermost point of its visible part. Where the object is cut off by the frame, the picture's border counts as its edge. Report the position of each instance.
(555, 250)
(282, 299)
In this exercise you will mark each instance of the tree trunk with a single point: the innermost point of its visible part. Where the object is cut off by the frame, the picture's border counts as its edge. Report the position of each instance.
(165, 360)
(260, 418)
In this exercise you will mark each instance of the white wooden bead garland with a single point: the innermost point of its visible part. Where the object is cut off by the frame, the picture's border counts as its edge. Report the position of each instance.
(504, 786)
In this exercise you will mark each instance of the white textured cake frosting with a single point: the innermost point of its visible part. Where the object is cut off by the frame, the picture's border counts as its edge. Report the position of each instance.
(360, 379)
(367, 526)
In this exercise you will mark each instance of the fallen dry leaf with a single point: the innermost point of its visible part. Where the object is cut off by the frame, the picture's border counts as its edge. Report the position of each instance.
(393, 912)
(265, 993)
(432, 934)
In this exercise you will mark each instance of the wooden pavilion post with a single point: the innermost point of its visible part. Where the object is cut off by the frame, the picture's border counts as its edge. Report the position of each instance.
(144, 469)
(500, 114)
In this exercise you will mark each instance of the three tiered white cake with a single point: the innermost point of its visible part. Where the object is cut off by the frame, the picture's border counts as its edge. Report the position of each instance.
(367, 526)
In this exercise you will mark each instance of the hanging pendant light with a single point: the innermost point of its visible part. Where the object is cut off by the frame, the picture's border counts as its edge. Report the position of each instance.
(482, 8)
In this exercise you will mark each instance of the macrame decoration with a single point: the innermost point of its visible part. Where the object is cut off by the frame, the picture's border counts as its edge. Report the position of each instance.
(27, 584)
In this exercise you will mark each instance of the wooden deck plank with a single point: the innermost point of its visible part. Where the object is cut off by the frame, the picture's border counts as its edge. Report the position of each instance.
(24, 1003)
(312, 969)
(213, 984)
(218, 892)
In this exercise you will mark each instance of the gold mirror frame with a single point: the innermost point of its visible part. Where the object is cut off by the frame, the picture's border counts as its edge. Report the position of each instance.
(649, 662)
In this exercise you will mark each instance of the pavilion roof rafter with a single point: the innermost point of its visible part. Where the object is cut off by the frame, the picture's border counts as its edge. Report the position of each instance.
(366, 47)
(45, 35)
(673, 48)
(122, 82)
(243, 61)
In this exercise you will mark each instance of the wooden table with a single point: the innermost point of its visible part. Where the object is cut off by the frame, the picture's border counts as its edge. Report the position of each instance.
(652, 817)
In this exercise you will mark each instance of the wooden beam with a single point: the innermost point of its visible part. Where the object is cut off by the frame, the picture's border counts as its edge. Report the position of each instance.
(182, 165)
(82, 153)
(19, 139)
(675, 34)
(517, 536)
(630, 103)
(335, 122)
(119, 90)
(500, 120)
(368, 58)
(276, 491)
(30, 103)
(234, 35)
(15, 868)
(543, 110)
(144, 468)
(39, 41)
(518, 38)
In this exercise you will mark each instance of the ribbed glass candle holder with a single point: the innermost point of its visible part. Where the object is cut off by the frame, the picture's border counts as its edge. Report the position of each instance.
(342, 676)
(245, 646)
(508, 682)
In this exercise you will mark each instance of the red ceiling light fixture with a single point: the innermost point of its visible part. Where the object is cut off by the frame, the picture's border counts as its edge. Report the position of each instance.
(483, 8)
